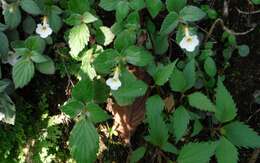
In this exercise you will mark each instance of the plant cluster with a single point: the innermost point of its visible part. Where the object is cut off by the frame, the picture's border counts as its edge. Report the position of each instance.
(123, 50)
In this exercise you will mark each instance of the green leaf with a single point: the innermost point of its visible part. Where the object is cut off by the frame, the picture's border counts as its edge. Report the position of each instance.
(78, 6)
(161, 43)
(55, 21)
(169, 23)
(7, 107)
(130, 89)
(4, 48)
(138, 56)
(35, 43)
(105, 35)
(125, 39)
(47, 67)
(137, 4)
(158, 131)
(197, 127)
(101, 91)
(196, 152)
(256, 2)
(225, 105)
(163, 73)
(29, 25)
(106, 61)
(3, 27)
(168, 147)
(192, 13)
(241, 135)
(122, 10)
(190, 74)
(200, 101)
(38, 58)
(109, 5)
(88, 18)
(83, 91)
(78, 39)
(137, 154)
(175, 5)
(72, 108)
(154, 7)
(243, 50)
(226, 151)
(180, 120)
(96, 113)
(12, 15)
(22, 73)
(178, 82)
(30, 7)
(84, 142)
(210, 67)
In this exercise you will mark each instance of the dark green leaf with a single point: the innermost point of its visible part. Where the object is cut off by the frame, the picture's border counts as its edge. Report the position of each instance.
(154, 7)
(200, 101)
(192, 13)
(137, 154)
(83, 91)
(30, 7)
(226, 151)
(169, 23)
(175, 5)
(96, 113)
(72, 108)
(163, 73)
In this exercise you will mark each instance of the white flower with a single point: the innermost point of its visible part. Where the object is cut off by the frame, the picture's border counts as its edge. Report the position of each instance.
(114, 83)
(12, 58)
(2, 116)
(44, 29)
(189, 42)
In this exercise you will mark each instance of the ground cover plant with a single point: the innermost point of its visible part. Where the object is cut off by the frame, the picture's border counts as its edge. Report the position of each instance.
(129, 81)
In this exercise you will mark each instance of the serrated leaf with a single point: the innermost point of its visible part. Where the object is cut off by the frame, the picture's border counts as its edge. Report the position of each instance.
(106, 61)
(106, 36)
(78, 6)
(175, 5)
(226, 151)
(83, 91)
(96, 113)
(138, 56)
(178, 82)
(210, 67)
(72, 108)
(30, 7)
(22, 73)
(192, 13)
(125, 39)
(154, 7)
(180, 120)
(196, 152)
(190, 74)
(241, 135)
(225, 105)
(137, 154)
(163, 74)
(84, 142)
(200, 101)
(158, 131)
(161, 43)
(122, 10)
(169, 23)
(78, 39)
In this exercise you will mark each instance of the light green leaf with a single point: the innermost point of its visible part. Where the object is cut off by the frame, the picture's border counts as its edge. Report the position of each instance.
(226, 151)
(35, 43)
(192, 13)
(84, 142)
(226, 107)
(243, 50)
(122, 10)
(96, 113)
(83, 91)
(241, 135)
(30, 7)
(78, 39)
(169, 23)
(163, 73)
(210, 67)
(175, 5)
(138, 56)
(7, 107)
(109, 5)
(47, 67)
(78, 6)
(178, 82)
(196, 152)
(88, 18)
(158, 131)
(38, 58)
(154, 7)
(200, 101)
(137, 154)
(106, 36)
(180, 120)
(22, 73)
(12, 15)
(72, 108)
(137, 4)
(106, 61)
(4, 48)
